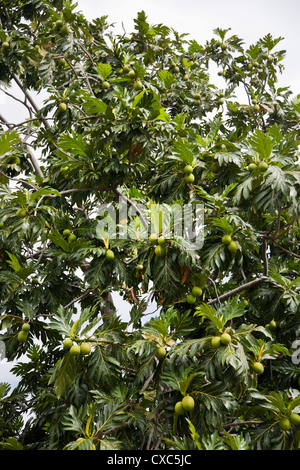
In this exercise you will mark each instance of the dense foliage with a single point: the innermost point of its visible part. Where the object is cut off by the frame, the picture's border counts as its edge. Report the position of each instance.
(125, 114)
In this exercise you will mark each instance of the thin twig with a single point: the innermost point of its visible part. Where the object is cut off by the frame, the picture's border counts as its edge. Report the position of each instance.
(287, 251)
(19, 181)
(89, 291)
(215, 289)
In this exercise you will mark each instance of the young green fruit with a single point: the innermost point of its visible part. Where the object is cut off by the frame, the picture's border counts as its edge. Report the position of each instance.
(160, 353)
(160, 251)
(233, 247)
(188, 169)
(126, 68)
(295, 419)
(75, 350)
(258, 368)
(85, 348)
(72, 237)
(188, 403)
(68, 343)
(225, 338)
(214, 167)
(252, 167)
(22, 336)
(58, 24)
(272, 325)
(109, 255)
(131, 74)
(216, 342)
(5, 45)
(179, 410)
(226, 239)
(105, 85)
(21, 213)
(161, 240)
(65, 30)
(189, 178)
(263, 166)
(1, 224)
(62, 107)
(66, 232)
(284, 424)
(153, 238)
(191, 299)
(138, 85)
(196, 291)
(26, 327)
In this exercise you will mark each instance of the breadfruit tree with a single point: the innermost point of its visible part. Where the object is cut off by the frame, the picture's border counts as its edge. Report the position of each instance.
(136, 120)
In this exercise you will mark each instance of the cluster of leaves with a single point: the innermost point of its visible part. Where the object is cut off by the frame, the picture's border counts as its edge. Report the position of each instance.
(123, 116)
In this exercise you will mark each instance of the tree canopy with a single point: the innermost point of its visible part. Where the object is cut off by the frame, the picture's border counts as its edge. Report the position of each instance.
(137, 119)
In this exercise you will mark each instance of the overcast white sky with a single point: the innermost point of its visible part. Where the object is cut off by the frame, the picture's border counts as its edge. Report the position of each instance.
(249, 20)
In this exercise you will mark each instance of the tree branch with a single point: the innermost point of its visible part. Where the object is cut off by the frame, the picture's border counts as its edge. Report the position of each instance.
(241, 423)
(32, 157)
(239, 289)
(31, 100)
(287, 251)
(19, 181)
(265, 257)
(132, 204)
(86, 293)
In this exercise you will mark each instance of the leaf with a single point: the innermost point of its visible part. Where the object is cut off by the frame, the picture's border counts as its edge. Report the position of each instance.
(81, 443)
(43, 192)
(295, 102)
(65, 374)
(261, 143)
(11, 443)
(167, 78)
(277, 180)
(212, 442)
(183, 151)
(62, 321)
(235, 442)
(104, 70)
(194, 435)
(93, 105)
(223, 224)
(73, 421)
(243, 190)
(162, 116)
(138, 97)
(8, 140)
(269, 42)
(14, 262)
(59, 240)
(73, 143)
